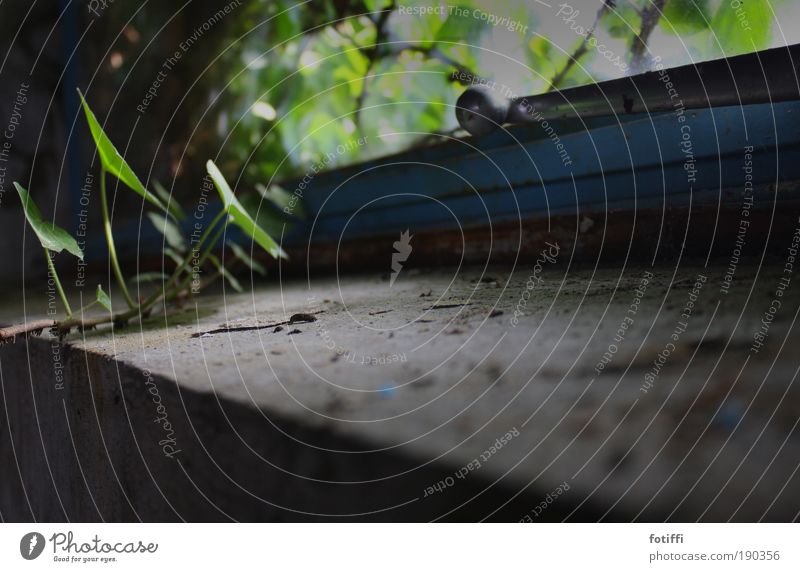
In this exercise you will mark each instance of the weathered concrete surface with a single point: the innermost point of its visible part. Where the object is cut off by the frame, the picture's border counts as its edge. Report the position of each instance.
(393, 389)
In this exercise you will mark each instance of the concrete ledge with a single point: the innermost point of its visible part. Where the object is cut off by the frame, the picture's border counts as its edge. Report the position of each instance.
(379, 407)
(94, 451)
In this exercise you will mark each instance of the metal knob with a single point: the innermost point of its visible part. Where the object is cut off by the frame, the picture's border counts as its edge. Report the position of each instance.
(480, 110)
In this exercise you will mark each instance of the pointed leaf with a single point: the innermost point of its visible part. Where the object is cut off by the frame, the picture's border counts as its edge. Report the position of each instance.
(239, 216)
(51, 237)
(113, 162)
(282, 199)
(274, 222)
(172, 234)
(229, 278)
(102, 298)
(240, 253)
(174, 208)
(176, 258)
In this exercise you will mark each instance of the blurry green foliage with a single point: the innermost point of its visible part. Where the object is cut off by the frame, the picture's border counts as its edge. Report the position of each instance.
(296, 82)
(685, 17)
(743, 29)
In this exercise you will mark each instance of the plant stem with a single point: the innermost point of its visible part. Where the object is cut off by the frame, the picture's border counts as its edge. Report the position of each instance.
(639, 53)
(168, 294)
(87, 306)
(112, 251)
(158, 295)
(193, 249)
(84, 323)
(53, 273)
(144, 306)
(202, 259)
(35, 327)
(582, 48)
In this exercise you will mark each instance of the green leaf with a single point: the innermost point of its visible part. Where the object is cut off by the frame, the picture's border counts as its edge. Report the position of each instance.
(239, 216)
(113, 162)
(419, 29)
(375, 5)
(286, 24)
(541, 56)
(744, 29)
(229, 278)
(685, 17)
(240, 253)
(273, 221)
(623, 21)
(51, 237)
(282, 199)
(176, 258)
(103, 299)
(172, 234)
(458, 28)
(174, 208)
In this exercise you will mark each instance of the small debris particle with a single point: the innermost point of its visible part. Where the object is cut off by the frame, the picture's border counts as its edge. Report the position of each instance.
(302, 319)
(495, 313)
(426, 294)
(277, 329)
(295, 331)
(377, 312)
(276, 352)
